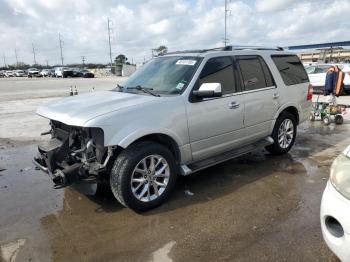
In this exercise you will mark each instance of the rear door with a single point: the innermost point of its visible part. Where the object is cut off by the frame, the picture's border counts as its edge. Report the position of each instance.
(260, 94)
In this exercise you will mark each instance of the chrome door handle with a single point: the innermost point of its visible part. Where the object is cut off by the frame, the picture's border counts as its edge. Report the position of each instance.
(233, 105)
(275, 96)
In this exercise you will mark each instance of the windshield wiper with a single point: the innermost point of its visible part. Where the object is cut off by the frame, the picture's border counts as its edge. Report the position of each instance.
(143, 89)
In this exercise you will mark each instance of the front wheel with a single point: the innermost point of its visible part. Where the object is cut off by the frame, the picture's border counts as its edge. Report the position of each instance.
(283, 134)
(143, 175)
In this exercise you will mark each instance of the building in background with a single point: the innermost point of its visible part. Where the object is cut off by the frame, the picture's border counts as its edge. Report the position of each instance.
(326, 55)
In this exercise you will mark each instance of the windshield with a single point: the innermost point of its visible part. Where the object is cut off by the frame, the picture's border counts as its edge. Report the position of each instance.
(169, 75)
(310, 69)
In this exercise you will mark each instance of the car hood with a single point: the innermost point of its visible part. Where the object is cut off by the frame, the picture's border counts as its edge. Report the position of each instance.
(77, 110)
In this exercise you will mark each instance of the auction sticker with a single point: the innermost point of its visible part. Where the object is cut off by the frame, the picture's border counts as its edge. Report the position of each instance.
(186, 62)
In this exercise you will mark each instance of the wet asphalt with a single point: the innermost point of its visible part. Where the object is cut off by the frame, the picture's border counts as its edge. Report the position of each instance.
(255, 208)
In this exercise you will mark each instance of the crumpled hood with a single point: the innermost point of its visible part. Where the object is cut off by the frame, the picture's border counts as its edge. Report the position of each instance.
(77, 110)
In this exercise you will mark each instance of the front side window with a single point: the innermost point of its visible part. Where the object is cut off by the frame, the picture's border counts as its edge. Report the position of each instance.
(167, 75)
(255, 72)
(219, 70)
(291, 69)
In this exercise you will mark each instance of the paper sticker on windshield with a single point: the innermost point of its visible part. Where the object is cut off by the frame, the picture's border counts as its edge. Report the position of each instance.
(180, 86)
(186, 62)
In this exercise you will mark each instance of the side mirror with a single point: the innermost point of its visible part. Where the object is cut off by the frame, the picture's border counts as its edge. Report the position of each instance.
(208, 90)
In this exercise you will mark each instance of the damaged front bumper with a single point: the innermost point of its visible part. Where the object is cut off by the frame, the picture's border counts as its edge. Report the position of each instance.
(73, 154)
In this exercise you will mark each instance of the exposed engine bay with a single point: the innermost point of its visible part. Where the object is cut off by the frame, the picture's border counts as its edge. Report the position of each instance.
(73, 154)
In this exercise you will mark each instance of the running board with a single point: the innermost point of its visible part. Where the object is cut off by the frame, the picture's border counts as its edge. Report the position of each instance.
(202, 164)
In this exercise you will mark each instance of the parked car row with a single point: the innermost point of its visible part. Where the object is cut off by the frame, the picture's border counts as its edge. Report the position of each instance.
(317, 75)
(63, 72)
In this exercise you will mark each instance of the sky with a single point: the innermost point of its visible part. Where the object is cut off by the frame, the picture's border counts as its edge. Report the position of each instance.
(138, 26)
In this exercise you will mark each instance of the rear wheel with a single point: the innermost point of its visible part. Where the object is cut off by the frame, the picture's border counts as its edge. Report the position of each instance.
(143, 175)
(283, 134)
(326, 120)
(339, 119)
(312, 117)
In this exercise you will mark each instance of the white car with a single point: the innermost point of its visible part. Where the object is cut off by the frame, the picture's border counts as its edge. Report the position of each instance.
(33, 72)
(45, 72)
(335, 207)
(317, 75)
(20, 73)
(9, 73)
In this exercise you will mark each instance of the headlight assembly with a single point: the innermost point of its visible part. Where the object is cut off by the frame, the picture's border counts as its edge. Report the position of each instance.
(340, 174)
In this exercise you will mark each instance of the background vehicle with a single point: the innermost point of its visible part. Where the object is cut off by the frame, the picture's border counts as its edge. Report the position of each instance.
(45, 72)
(84, 73)
(63, 72)
(2, 74)
(335, 207)
(317, 74)
(20, 73)
(9, 73)
(33, 72)
(180, 113)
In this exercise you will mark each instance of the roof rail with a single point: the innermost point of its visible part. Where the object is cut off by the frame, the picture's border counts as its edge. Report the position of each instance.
(227, 48)
(243, 47)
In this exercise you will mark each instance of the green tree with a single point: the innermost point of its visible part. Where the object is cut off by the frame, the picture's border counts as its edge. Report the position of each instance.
(120, 59)
(161, 50)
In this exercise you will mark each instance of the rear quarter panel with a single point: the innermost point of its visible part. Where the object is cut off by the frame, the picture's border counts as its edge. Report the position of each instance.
(293, 95)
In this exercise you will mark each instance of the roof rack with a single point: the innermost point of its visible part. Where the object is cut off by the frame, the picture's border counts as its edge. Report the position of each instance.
(228, 48)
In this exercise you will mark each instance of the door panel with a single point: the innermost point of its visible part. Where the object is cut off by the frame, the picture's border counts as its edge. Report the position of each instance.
(260, 94)
(215, 127)
(260, 109)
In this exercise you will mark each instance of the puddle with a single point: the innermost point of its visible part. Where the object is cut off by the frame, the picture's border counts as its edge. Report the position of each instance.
(162, 254)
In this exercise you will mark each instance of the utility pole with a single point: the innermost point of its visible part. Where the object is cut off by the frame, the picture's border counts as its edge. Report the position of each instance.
(34, 54)
(4, 61)
(226, 11)
(83, 60)
(16, 57)
(47, 63)
(60, 40)
(109, 40)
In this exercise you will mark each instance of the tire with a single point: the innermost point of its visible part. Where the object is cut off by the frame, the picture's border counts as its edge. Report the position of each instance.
(326, 120)
(339, 119)
(280, 148)
(312, 117)
(124, 169)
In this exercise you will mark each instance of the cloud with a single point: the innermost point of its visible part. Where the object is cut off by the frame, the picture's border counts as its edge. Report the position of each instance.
(272, 5)
(139, 26)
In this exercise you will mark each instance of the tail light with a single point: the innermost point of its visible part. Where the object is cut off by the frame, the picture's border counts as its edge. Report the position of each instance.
(309, 92)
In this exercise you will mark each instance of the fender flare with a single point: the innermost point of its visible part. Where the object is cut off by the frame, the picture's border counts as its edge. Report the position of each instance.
(124, 141)
(281, 109)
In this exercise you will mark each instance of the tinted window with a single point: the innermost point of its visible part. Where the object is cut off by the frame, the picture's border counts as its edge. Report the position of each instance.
(291, 69)
(321, 69)
(219, 70)
(255, 72)
(267, 73)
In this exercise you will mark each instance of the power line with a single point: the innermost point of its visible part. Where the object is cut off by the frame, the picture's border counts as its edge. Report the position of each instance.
(60, 40)
(34, 54)
(109, 40)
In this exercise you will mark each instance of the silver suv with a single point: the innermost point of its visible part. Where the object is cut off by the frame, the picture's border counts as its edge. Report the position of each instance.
(178, 114)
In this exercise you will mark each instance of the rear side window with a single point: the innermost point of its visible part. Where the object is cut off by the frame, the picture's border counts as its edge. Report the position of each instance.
(291, 69)
(219, 70)
(255, 73)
